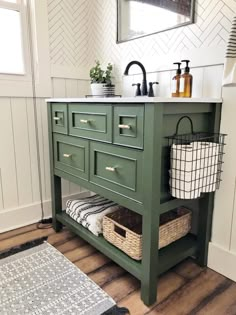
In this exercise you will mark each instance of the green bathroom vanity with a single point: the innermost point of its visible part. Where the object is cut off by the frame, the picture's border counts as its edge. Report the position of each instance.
(116, 147)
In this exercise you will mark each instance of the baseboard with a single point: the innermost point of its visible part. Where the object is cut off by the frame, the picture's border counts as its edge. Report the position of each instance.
(222, 261)
(14, 218)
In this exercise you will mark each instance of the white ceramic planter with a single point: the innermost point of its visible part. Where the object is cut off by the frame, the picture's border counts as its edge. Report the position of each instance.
(97, 89)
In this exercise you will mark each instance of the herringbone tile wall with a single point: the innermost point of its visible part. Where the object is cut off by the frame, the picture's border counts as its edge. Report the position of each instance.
(213, 22)
(68, 32)
(84, 30)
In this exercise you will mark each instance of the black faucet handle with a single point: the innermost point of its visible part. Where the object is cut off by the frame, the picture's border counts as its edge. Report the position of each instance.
(150, 91)
(138, 90)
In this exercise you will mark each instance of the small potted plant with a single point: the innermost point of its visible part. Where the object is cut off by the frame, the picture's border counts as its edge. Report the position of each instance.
(101, 84)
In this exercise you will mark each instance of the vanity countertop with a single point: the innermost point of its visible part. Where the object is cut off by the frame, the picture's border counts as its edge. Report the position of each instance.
(140, 99)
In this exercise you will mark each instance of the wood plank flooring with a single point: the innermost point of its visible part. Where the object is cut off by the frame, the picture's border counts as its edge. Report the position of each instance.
(186, 289)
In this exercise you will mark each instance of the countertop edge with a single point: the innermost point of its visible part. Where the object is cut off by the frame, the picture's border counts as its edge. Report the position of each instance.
(135, 100)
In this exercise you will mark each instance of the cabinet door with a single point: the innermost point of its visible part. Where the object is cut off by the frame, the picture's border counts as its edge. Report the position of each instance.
(91, 121)
(59, 118)
(71, 155)
(128, 125)
(117, 169)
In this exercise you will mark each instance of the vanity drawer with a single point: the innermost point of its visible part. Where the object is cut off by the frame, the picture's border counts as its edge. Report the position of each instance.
(91, 121)
(71, 155)
(117, 169)
(59, 118)
(128, 125)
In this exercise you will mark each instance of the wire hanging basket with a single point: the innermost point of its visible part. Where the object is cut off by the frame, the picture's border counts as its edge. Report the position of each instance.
(196, 160)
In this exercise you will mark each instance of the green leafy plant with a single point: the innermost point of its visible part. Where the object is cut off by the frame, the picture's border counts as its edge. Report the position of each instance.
(98, 75)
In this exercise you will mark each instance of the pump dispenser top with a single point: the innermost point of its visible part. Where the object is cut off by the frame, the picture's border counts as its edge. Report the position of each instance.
(178, 71)
(186, 69)
(186, 81)
(176, 81)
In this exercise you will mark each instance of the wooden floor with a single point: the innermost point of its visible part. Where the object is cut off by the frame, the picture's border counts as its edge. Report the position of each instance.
(186, 289)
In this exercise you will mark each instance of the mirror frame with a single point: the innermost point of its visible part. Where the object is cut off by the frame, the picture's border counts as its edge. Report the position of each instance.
(119, 41)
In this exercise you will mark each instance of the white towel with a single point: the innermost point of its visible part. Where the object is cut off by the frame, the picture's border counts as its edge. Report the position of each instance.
(90, 211)
(229, 77)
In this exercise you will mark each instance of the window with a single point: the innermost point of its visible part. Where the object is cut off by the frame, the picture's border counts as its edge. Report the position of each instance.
(13, 37)
(24, 50)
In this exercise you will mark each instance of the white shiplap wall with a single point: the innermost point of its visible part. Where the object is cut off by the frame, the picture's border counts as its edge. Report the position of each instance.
(19, 179)
(222, 251)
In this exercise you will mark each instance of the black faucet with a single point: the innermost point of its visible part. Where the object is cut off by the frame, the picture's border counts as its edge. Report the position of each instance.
(144, 83)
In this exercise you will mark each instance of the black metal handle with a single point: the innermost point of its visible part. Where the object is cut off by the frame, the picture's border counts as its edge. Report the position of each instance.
(177, 126)
(138, 90)
(150, 91)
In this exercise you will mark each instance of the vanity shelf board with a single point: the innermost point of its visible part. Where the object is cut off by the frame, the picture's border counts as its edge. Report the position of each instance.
(132, 266)
(169, 256)
(175, 203)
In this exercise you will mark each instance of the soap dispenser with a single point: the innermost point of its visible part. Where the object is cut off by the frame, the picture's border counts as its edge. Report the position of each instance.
(186, 81)
(176, 81)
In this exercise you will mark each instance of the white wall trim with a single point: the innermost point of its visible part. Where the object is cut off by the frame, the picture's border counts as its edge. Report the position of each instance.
(222, 261)
(41, 47)
(17, 217)
(59, 71)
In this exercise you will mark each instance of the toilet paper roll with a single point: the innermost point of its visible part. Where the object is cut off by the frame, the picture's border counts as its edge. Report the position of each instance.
(185, 185)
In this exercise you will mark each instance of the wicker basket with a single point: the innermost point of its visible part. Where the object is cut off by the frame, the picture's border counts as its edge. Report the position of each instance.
(123, 229)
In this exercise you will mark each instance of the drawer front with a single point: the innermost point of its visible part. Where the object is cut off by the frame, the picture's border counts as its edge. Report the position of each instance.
(91, 121)
(71, 155)
(59, 118)
(117, 169)
(128, 125)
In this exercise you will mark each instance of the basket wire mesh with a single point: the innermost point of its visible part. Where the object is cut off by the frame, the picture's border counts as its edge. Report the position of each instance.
(196, 162)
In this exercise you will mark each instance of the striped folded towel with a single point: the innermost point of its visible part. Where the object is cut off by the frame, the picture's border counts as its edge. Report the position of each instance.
(90, 211)
(229, 77)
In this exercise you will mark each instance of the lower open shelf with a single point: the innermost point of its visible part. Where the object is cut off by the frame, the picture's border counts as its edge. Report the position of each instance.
(169, 256)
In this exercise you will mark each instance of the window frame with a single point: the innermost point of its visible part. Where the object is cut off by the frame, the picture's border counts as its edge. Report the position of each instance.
(20, 7)
(20, 85)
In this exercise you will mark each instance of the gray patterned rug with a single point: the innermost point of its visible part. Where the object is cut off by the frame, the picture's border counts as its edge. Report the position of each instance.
(41, 280)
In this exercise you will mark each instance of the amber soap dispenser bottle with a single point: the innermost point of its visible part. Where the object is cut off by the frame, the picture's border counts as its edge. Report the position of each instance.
(186, 81)
(176, 81)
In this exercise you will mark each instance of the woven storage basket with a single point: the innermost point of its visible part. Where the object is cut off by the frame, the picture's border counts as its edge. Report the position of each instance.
(123, 229)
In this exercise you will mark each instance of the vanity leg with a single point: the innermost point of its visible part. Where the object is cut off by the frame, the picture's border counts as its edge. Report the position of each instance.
(56, 202)
(152, 169)
(206, 205)
(150, 259)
